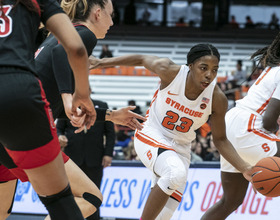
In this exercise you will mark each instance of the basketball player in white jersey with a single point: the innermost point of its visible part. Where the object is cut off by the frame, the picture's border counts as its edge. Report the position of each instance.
(186, 97)
(251, 128)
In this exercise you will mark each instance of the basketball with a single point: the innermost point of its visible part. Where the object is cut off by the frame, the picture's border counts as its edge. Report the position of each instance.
(267, 179)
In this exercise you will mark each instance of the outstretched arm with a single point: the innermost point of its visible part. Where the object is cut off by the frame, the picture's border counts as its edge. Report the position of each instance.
(164, 67)
(125, 116)
(218, 128)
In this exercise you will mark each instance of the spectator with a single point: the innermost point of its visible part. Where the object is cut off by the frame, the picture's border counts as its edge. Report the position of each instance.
(249, 23)
(91, 150)
(105, 52)
(213, 153)
(181, 22)
(146, 17)
(233, 22)
(137, 109)
(255, 74)
(273, 24)
(130, 13)
(194, 153)
(239, 74)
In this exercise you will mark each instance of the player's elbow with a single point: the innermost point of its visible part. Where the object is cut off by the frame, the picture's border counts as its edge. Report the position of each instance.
(78, 50)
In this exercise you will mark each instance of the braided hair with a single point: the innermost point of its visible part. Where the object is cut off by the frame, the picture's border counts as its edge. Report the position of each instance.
(269, 55)
(79, 10)
(201, 50)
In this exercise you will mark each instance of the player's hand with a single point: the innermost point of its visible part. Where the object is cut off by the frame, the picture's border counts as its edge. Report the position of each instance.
(86, 106)
(76, 121)
(79, 121)
(248, 175)
(93, 62)
(106, 161)
(124, 116)
(63, 141)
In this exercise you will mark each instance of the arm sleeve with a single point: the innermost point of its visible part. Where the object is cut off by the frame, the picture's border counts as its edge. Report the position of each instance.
(61, 67)
(109, 131)
(62, 70)
(88, 39)
(48, 9)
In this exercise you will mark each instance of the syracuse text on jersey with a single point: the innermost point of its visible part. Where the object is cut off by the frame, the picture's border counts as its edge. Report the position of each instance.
(182, 108)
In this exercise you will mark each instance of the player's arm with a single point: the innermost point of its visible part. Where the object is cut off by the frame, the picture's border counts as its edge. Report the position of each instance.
(164, 67)
(272, 112)
(271, 115)
(60, 25)
(218, 128)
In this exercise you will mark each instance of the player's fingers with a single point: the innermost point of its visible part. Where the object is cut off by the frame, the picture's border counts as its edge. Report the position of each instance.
(79, 130)
(131, 125)
(90, 120)
(135, 115)
(138, 125)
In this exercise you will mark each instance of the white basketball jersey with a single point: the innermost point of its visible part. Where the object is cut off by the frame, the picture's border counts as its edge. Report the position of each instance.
(266, 86)
(174, 115)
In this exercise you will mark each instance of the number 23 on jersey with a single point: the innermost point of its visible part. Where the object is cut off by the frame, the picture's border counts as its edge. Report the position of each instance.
(172, 117)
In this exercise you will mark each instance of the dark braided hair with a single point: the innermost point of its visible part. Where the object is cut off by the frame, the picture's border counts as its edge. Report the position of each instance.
(201, 50)
(269, 55)
(27, 3)
(79, 10)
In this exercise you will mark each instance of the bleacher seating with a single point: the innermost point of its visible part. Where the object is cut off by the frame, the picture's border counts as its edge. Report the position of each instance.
(117, 90)
(118, 85)
(177, 51)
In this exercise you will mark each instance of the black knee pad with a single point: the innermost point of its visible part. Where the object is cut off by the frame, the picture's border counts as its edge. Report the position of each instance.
(47, 200)
(62, 205)
(94, 200)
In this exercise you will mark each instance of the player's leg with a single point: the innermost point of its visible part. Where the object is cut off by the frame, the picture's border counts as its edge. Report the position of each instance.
(234, 187)
(86, 193)
(172, 174)
(7, 191)
(169, 209)
(33, 144)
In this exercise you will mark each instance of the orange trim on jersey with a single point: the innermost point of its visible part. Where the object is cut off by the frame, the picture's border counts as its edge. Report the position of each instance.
(177, 195)
(260, 79)
(150, 141)
(262, 108)
(153, 100)
(259, 132)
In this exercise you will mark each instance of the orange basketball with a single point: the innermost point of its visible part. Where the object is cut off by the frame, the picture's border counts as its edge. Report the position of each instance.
(267, 180)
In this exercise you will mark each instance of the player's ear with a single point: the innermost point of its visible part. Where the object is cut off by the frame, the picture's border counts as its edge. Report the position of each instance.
(97, 13)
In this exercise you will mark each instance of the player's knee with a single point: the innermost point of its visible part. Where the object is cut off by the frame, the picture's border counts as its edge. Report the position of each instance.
(178, 177)
(95, 200)
(62, 205)
(173, 178)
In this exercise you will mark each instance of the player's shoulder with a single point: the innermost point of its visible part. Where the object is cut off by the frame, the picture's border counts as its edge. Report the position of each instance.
(219, 98)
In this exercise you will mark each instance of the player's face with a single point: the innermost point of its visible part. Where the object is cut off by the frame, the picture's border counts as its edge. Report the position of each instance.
(204, 70)
(105, 21)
